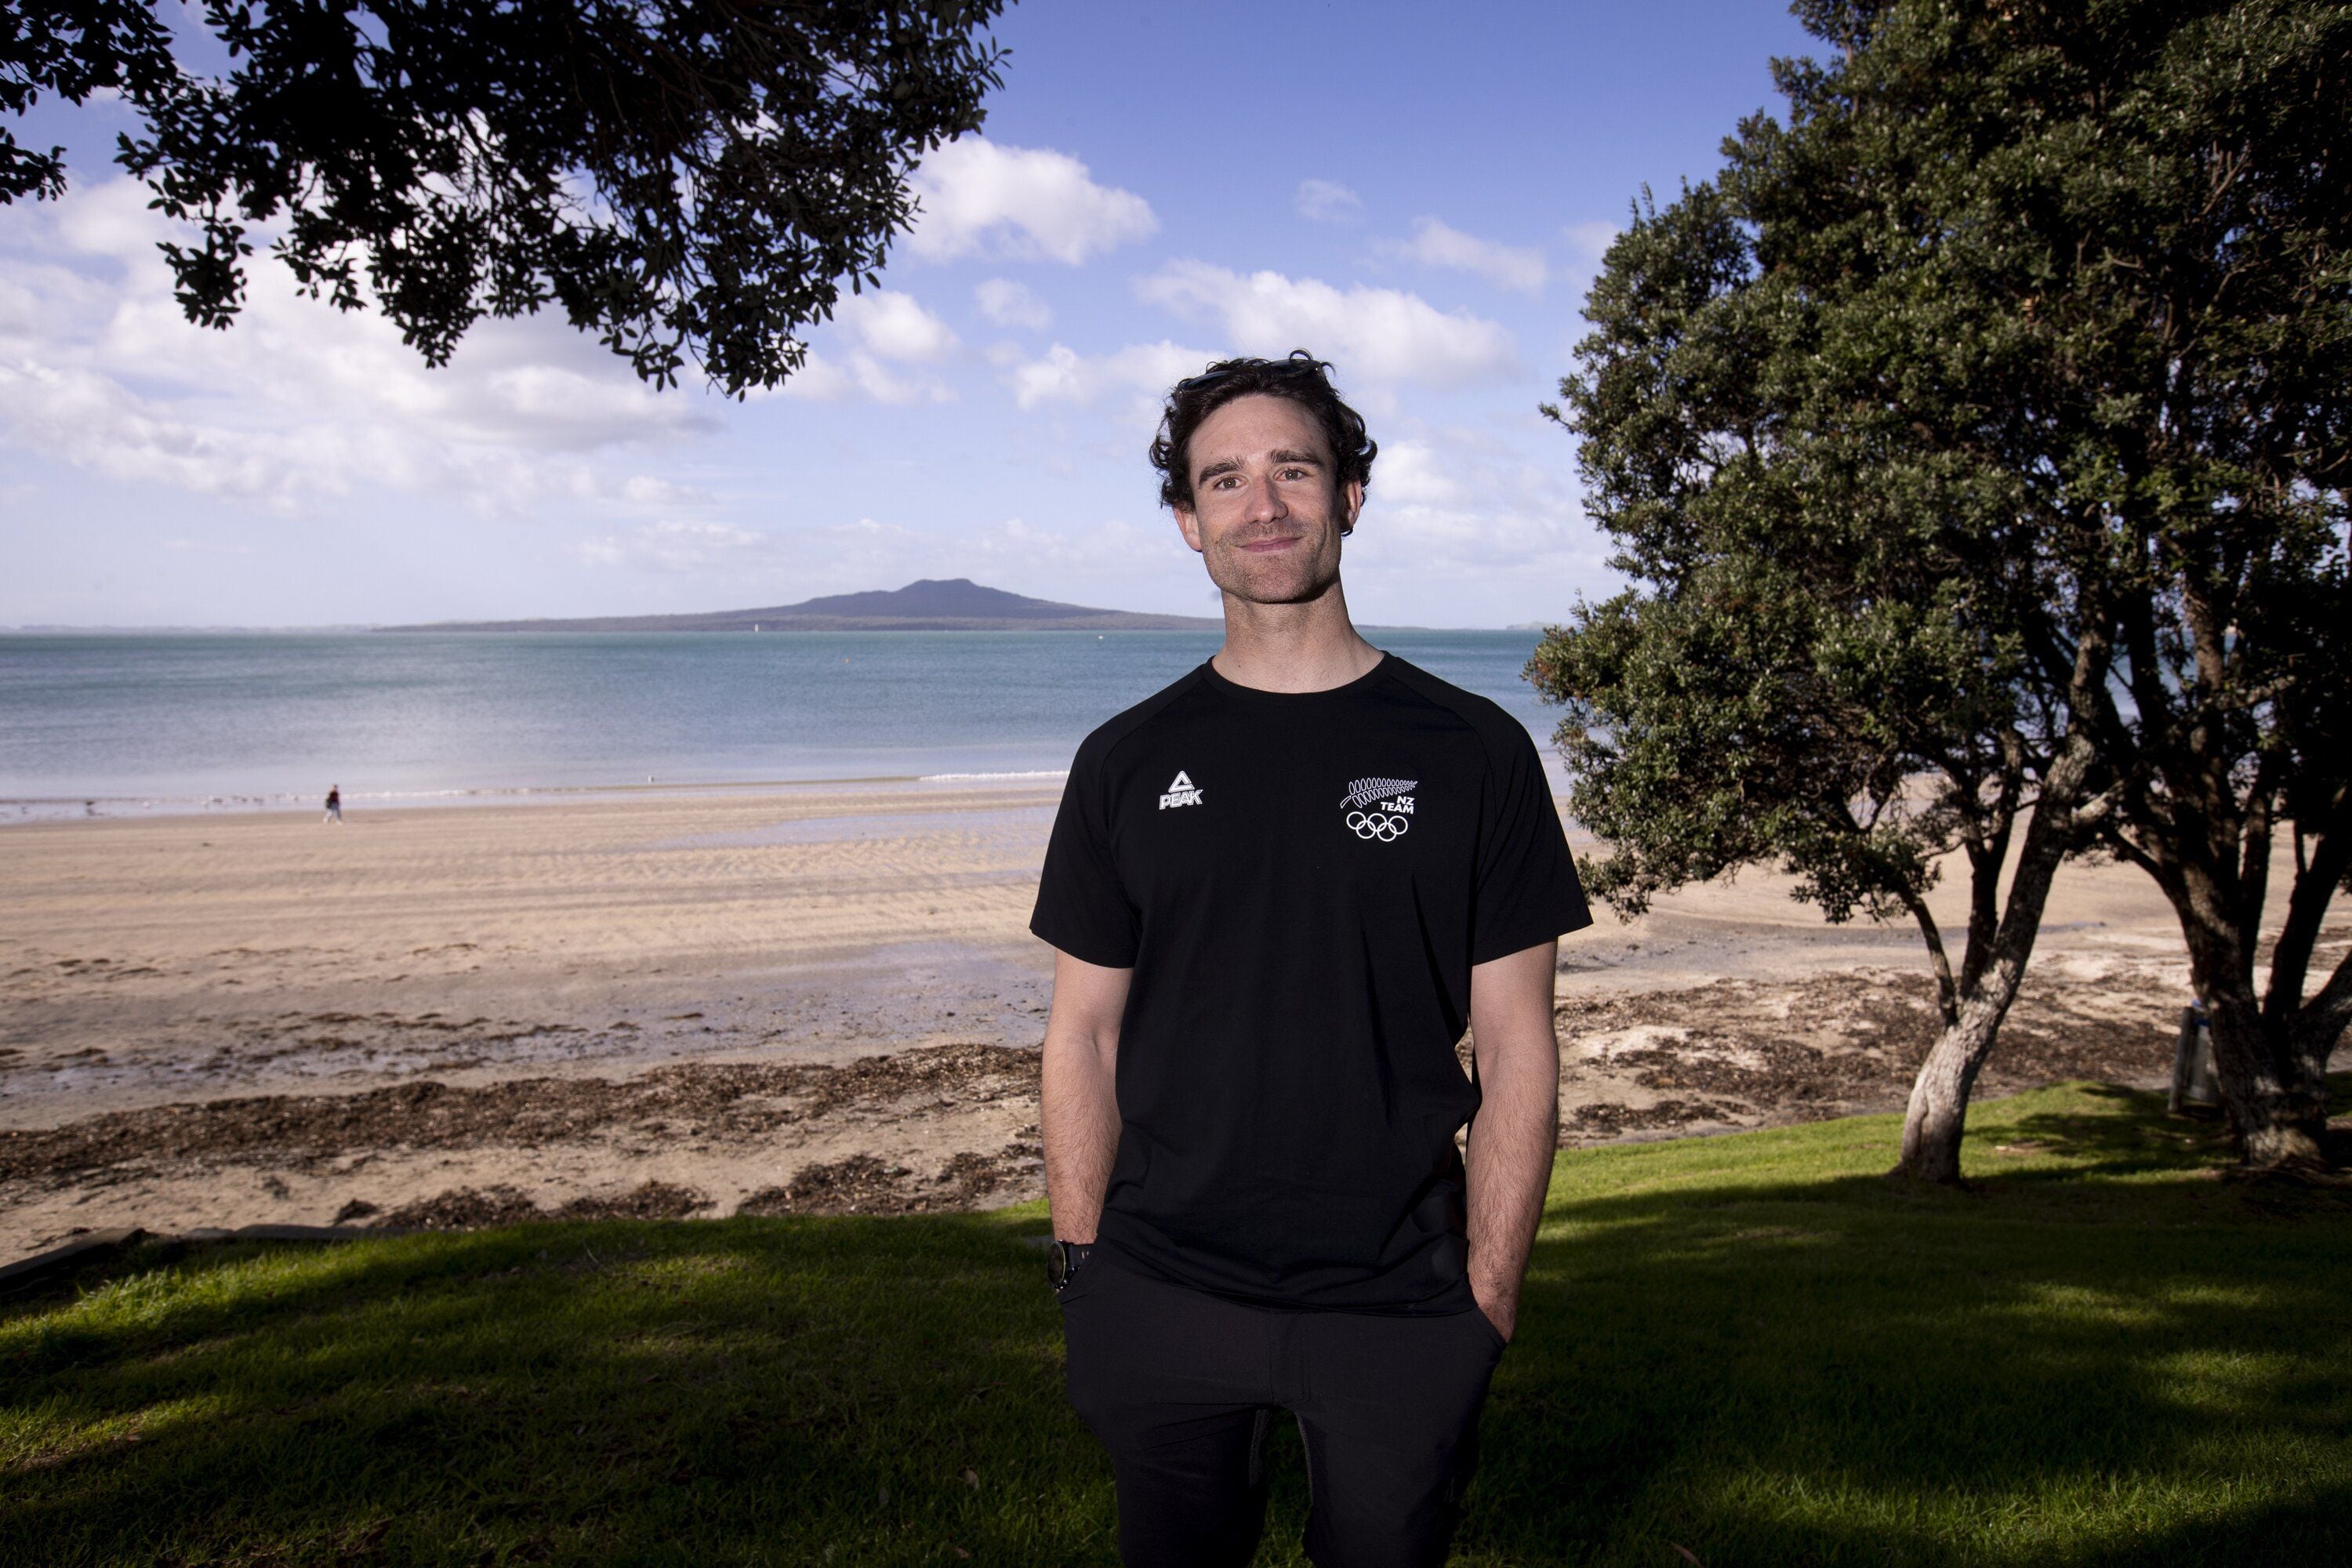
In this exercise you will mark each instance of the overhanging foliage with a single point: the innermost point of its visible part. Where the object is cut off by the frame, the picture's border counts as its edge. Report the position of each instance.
(693, 181)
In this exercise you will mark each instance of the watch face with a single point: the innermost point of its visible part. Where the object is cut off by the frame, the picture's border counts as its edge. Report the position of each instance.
(1058, 1263)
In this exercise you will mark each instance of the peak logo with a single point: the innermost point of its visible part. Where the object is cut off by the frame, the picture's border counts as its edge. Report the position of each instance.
(1380, 809)
(1183, 792)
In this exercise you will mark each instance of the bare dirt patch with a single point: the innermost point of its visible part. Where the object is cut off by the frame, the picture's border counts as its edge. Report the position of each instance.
(724, 1103)
(468, 1208)
(923, 1130)
(1746, 1053)
(936, 1128)
(864, 1185)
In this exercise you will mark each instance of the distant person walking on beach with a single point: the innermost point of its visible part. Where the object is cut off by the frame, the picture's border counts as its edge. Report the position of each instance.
(1278, 890)
(335, 803)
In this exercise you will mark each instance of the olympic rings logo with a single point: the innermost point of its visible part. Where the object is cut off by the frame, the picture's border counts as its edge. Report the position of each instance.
(1372, 824)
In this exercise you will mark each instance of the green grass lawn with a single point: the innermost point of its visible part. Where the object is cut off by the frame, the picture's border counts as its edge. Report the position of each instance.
(1753, 1348)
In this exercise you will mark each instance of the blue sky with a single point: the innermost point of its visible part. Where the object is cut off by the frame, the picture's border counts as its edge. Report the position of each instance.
(1418, 193)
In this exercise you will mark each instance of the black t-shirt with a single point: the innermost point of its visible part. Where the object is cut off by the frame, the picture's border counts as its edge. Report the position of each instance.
(1301, 883)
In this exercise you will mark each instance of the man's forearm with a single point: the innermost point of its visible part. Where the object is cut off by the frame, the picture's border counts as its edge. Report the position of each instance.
(1078, 1111)
(1510, 1167)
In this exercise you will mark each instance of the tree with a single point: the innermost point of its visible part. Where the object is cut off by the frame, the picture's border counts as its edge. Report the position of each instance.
(1977, 445)
(691, 180)
(72, 50)
(1823, 673)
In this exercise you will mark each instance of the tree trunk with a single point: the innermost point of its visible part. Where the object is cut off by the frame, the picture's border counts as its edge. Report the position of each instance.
(2276, 1098)
(1937, 1114)
(1939, 1111)
(2275, 1094)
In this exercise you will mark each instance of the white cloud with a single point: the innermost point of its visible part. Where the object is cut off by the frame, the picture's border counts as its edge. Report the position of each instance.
(1103, 556)
(877, 326)
(825, 379)
(1324, 201)
(1436, 243)
(652, 493)
(1009, 304)
(1459, 500)
(894, 325)
(1590, 240)
(1022, 202)
(1380, 334)
(1111, 563)
(1411, 475)
(298, 402)
(746, 567)
(670, 545)
(1461, 507)
(1063, 375)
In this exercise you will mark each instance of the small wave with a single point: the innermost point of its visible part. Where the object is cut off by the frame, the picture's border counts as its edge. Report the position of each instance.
(30, 808)
(959, 778)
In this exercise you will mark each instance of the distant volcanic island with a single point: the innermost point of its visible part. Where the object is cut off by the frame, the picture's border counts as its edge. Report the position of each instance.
(954, 604)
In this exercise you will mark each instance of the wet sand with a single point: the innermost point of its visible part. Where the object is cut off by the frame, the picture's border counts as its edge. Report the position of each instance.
(806, 1000)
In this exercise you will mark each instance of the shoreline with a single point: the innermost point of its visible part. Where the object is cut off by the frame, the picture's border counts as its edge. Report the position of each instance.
(15, 810)
(931, 1127)
(790, 998)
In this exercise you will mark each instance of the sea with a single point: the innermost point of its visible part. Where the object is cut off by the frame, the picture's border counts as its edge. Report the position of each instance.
(104, 724)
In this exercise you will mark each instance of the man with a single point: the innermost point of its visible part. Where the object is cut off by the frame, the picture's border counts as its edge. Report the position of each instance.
(1278, 891)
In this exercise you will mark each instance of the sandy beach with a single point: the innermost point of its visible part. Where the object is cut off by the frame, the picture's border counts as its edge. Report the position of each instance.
(811, 999)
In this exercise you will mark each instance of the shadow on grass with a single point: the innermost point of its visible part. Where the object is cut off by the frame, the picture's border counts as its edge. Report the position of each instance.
(741, 1391)
(2115, 1130)
(1758, 1349)
(2105, 1356)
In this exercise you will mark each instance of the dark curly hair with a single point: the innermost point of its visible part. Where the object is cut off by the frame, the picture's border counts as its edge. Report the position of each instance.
(1300, 378)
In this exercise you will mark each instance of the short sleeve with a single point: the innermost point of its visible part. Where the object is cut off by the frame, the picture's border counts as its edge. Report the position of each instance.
(1528, 888)
(1082, 906)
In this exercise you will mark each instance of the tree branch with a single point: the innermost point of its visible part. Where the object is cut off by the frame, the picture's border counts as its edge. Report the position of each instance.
(1947, 1001)
(2254, 850)
(2322, 1021)
(2306, 908)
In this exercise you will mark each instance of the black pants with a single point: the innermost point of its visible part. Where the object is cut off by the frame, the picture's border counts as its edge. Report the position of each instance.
(1181, 1387)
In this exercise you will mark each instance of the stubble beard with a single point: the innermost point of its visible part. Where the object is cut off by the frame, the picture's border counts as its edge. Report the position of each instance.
(1295, 577)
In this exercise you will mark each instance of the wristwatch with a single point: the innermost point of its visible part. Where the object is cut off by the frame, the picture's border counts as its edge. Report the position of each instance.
(1062, 1260)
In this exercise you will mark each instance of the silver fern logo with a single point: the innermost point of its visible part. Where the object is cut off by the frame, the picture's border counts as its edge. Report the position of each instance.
(1380, 809)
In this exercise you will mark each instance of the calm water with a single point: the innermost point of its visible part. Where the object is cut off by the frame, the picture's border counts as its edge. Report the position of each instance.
(146, 723)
